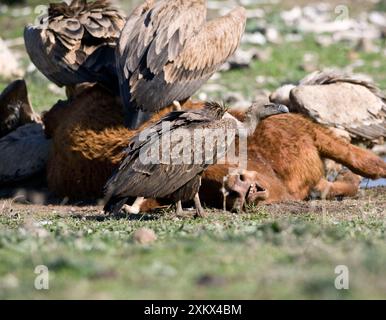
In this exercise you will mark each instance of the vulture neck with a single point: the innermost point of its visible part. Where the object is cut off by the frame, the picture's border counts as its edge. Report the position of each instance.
(248, 125)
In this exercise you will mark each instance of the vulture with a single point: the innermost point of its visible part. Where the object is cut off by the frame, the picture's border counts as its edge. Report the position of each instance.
(171, 177)
(15, 108)
(167, 50)
(76, 43)
(23, 153)
(351, 103)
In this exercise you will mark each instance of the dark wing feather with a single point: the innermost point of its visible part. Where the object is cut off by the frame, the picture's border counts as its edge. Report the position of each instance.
(200, 57)
(23, 153)
(209, 49)
(151, 39)
(64, 50)
(135, 178)
(15, 107)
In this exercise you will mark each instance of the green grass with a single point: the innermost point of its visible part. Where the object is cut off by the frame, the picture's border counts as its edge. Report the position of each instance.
(248, 256)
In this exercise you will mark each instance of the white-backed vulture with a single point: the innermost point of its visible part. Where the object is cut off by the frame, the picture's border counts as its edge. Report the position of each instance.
(167, 50)
(340, 100)
(76, 42)
(178, 176)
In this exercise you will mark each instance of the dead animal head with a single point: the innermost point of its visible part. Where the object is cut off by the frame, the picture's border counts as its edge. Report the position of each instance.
(243, 188)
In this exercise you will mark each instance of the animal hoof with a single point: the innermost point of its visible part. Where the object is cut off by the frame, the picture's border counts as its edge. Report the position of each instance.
(130, 209)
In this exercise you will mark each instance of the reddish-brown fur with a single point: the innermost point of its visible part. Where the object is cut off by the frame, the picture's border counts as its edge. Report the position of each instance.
(284, 154)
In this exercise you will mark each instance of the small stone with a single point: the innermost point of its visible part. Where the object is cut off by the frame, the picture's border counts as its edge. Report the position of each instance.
(144, 236)
(9, 65)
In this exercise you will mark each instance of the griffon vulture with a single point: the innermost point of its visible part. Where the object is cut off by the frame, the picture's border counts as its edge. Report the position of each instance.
(167, 50)
(172, 177)
(337, 99)
(76, 42)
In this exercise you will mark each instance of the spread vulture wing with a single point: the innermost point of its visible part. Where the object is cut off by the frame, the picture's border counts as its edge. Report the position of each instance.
(350, 102)
(171, 52)
(160, 179)
(76, 42)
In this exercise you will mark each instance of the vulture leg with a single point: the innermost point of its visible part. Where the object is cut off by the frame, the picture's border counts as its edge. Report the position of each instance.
(199, 210)
(179, 210)
(224, 193)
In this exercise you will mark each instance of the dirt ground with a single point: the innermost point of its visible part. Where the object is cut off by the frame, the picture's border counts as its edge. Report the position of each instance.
(375, 197)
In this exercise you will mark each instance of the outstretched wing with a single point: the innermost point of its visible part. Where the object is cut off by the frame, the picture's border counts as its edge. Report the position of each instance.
(200, 57)
(209, 49)
(150, 40)
(199, 60)
(77, 43)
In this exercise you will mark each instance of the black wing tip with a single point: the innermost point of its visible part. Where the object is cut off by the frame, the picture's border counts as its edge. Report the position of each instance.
(114, 205)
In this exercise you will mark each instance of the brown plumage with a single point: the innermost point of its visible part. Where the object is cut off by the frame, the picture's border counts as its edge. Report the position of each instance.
(167, 50)
(76, 43)
(337, 99)
(15, 108)
(174, 176)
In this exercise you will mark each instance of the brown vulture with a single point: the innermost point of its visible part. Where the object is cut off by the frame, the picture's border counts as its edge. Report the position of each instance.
(349, 102)
(167, 50)
(76, 43)
(171, 177)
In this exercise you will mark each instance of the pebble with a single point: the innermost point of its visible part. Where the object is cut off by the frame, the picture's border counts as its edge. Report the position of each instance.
(144, 236)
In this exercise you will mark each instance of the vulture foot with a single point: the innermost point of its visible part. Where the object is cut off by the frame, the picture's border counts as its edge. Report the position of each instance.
(200, 212)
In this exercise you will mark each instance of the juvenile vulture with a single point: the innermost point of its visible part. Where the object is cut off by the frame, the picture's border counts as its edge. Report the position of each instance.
(172, 177)
(167, 50)
(349, 102)
(15, 108)
(76, 42)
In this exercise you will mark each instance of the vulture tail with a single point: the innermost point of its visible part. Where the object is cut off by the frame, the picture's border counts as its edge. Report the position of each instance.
(135, 118)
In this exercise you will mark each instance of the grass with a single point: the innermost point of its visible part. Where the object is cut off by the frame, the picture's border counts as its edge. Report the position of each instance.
(285, 251)
(268, 252)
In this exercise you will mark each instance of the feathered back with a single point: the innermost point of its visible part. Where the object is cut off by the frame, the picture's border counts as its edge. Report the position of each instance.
(215, 110)
(93, 23)
(335, 76)
(66, 49)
